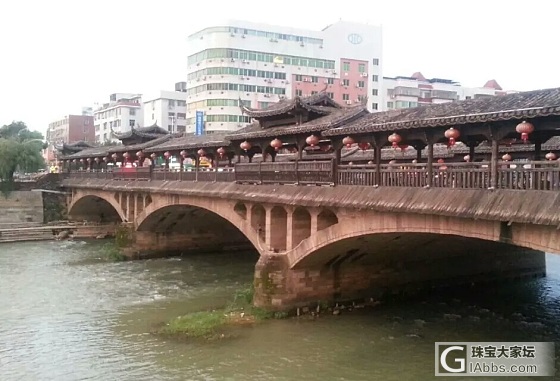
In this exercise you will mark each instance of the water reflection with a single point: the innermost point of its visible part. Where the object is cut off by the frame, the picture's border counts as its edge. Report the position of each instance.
(69, 315)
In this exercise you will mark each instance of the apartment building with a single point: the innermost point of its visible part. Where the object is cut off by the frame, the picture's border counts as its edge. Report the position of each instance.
(120, 114)
(259, 64)
(167, 109)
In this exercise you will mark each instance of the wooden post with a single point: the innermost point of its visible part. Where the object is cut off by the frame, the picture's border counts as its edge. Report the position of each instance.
(494, 164)
(430, 164)
(472, 146)
(377, 158)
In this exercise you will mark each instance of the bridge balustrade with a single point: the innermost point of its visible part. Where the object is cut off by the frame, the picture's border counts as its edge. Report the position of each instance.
(536, 175)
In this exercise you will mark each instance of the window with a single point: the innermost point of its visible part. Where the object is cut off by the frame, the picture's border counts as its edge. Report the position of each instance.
(361, 98)
(181, 115)
(330, 81)
(330, 95)
(362, 68)
(299, 77)
(263, 105)
(131, 122)
(361, 84)
(299, 93)
(132, 111)
(375, 78)
(314, 79)
(345, 97)
(346, 66)
(376, 62)
(346, 82)
(374, 106)
(314, 92)
(374, 92)
(390, 105)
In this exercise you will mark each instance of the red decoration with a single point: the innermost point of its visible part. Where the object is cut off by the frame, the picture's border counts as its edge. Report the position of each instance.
(139, 154)
(550, 156)
(364, 146)
(348, 141)
(89, 159)
(276, 144)
(97, 160)
(441, 161)
(166, 154)
(467, 158)
(506, 157)
(414, 161)
(394, 139)
(393, 162)
(452, 134)
(114, 156)
(105, 159)
(245, 146)
(403, 146)
(312, 140)
(201, 152)
(81, 160)
(221, 151)
(525, 128)
(126, 155)
(153, 156)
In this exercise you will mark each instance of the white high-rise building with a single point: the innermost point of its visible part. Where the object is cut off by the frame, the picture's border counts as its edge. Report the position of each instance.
(120, 114)
(261, 64)
(167, 109)
(416, 90)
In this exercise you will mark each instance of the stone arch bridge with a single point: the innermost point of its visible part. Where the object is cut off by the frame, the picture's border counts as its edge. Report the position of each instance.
(335, 243)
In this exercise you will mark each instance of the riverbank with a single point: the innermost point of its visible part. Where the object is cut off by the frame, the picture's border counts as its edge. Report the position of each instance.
(55, 230)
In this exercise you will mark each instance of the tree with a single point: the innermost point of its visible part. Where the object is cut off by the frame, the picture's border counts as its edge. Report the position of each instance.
(20, 149)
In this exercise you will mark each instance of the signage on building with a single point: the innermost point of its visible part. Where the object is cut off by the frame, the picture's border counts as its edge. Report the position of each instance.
(199, 123)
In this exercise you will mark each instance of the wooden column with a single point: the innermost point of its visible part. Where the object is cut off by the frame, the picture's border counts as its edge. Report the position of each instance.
(538, 147)
(430, 164)
(377, 158)
(494, 163)
(472, 146)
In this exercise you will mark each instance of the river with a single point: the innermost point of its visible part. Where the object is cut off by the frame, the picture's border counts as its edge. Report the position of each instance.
(67, 314)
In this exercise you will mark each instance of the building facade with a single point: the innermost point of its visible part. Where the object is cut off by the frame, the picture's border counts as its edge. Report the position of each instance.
(120, 114)
(71, 128)
(416, 90)
(259, 64)
(167, 109)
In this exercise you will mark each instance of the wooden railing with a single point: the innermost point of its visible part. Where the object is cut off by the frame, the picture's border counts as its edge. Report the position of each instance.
(510, 175)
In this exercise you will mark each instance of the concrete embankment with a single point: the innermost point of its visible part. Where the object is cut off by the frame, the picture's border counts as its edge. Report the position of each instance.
(18, 233)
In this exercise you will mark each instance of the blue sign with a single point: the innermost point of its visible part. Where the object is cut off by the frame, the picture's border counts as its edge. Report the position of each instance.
(199, 123)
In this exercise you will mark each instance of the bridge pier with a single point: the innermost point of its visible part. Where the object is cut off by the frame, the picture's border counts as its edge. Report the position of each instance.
(351, 277)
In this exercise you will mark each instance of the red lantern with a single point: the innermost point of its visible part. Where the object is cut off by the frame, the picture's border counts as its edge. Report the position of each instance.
(394, 139)
(114, 156)
(441, 161)
(153, 156)
(97, 160)
(525, 128)
(364, 146)
(312, 140)
(414, 161)
(467, 158)
(245, 146)
(166, 154)
(183, 153)
(139, 154)
(105, 159)
(221, 151)
(201, 152)
(348, 141)
(506, 157)
(81, 160)
(126, 155)
(89, 159)
(550, 156)
(276, 144)
(393, 162)
(452, 134)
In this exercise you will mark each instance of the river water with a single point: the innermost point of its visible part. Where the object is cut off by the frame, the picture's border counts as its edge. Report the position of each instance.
(67, 314)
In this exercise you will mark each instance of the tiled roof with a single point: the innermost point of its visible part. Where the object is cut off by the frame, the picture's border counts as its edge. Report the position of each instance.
(518, 106)
(286, 105)
(90, 152)
(75, 146)
(191, 141)
(144, 132)
(141, 146)
(334, 117)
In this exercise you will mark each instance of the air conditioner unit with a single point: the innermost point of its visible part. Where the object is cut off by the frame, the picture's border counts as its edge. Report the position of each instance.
(244, 61)
(242, 36)
(364, 74)
(233, 60)
(302, 44)
(287, 82)
(232, 35)
(348, 102)
(358, 86)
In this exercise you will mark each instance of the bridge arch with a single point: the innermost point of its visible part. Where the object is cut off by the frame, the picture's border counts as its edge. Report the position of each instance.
(353, 237)
(95, 207)
(200, 216)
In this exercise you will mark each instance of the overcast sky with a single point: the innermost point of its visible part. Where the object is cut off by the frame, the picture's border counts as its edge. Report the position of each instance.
(59, 55)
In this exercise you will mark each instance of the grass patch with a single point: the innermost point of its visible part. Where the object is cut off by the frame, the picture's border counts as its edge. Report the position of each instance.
(112, 253)
(214, 324)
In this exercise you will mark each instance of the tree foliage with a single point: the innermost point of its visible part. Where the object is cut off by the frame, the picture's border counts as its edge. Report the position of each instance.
(20, 150)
